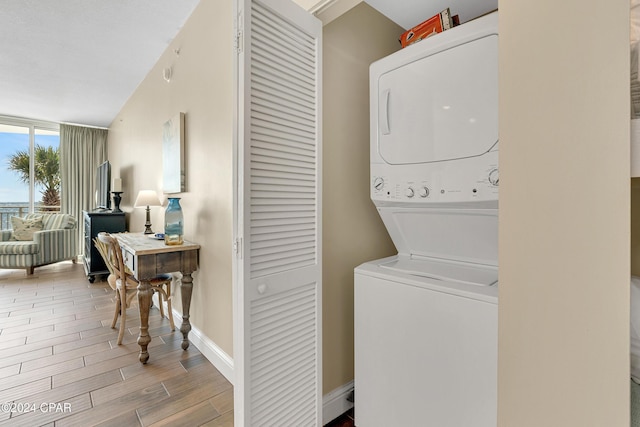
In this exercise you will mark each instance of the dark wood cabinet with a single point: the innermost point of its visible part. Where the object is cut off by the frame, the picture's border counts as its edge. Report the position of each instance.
(94, 223)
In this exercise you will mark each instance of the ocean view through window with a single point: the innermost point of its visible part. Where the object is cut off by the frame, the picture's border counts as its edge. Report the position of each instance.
(29, 169)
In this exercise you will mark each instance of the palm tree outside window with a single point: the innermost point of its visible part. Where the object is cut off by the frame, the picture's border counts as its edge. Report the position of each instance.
(29, 168)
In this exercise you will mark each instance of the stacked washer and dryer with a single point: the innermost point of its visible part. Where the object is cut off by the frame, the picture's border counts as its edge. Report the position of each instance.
(426, 320)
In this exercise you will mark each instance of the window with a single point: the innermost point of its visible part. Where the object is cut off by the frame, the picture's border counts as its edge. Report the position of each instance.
(29, 168)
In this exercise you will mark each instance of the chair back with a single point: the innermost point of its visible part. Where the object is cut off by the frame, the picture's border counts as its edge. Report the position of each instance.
(113, 255)
(55, 221)
(103, 249)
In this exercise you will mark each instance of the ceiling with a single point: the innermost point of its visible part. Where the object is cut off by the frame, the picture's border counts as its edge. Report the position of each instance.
(78, 61)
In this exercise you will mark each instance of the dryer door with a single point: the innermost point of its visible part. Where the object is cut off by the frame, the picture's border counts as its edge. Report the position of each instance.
(441, 106)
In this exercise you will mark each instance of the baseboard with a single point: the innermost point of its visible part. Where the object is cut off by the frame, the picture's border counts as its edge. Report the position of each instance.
(209, 349)
(335, 402)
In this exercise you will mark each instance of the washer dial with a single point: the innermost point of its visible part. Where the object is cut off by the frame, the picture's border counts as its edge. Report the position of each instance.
(494, 177)
(378, 183)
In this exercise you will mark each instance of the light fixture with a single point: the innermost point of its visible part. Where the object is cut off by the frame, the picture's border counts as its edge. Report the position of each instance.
(147, 198)
(166, 74)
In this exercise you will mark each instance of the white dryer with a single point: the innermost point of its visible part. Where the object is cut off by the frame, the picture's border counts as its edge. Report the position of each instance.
(426, 319)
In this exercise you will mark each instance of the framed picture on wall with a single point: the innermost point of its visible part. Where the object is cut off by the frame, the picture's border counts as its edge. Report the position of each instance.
(173, 173)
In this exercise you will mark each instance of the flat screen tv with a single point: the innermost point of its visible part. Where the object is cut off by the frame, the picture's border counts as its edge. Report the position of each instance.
(103, 186)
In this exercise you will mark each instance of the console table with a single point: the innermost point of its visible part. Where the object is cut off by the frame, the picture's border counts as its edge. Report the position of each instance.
(147, 257)
(94, 223)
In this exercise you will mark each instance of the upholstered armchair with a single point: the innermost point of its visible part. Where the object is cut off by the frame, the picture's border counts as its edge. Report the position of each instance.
(37, 240)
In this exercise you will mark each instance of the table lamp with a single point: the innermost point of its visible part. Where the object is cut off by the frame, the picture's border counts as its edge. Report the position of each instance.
(147, 198)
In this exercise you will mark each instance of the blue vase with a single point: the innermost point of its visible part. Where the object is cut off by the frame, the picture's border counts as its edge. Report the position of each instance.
(173, 222)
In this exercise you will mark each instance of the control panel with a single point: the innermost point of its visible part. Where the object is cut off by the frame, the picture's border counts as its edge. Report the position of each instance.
(464, 181)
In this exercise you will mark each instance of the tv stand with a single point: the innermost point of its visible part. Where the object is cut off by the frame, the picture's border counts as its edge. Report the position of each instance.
(95, 222)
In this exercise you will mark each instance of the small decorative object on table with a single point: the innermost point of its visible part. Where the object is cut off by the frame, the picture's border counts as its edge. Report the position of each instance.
(117, 191)
(117, 198)
(173, 222)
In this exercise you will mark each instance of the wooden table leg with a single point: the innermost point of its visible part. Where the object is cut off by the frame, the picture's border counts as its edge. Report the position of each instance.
(144, 302)
(185, 289)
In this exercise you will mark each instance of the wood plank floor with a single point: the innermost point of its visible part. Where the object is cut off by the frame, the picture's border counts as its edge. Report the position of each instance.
(60, 364)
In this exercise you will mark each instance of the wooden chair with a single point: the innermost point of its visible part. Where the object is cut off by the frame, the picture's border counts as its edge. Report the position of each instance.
(124, 282)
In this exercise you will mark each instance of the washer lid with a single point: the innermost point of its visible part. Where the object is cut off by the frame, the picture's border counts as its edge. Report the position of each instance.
(464, 235)
(442, 105)
(445, 270)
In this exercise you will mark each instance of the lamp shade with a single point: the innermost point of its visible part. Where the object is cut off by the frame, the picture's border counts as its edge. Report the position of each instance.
(147, 198)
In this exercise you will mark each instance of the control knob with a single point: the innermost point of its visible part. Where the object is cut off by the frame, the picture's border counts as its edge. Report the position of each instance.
(378, 183)
(423, 192)
(409, 192)
(494, 177)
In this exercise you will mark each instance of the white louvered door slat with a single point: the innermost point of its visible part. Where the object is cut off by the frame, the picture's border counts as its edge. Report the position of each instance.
(277, 323)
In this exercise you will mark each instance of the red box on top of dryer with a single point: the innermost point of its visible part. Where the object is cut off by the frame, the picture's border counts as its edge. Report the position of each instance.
(434, 25)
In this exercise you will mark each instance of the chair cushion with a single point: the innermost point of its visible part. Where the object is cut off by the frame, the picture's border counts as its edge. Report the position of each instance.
(19, 248)
(23, 228)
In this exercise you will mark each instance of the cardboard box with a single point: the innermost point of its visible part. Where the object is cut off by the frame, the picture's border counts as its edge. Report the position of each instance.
(434, 25)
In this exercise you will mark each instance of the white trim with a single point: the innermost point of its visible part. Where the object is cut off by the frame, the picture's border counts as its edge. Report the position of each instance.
(25, 122)
(328, 10)
(209, 349)
(335, 402)
(321, 6)
(84, 126)
(239, 83)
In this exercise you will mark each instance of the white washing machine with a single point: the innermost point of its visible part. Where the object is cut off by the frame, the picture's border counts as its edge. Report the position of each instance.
(426, 319)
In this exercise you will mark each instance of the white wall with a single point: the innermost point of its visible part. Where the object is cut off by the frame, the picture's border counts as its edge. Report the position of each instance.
(202, 88)
(564, 214)
(352, 230)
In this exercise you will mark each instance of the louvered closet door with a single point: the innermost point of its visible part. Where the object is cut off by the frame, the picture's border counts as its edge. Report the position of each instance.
(277, 347)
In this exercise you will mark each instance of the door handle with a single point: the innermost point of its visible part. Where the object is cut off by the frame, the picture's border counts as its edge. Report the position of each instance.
(383, 112)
